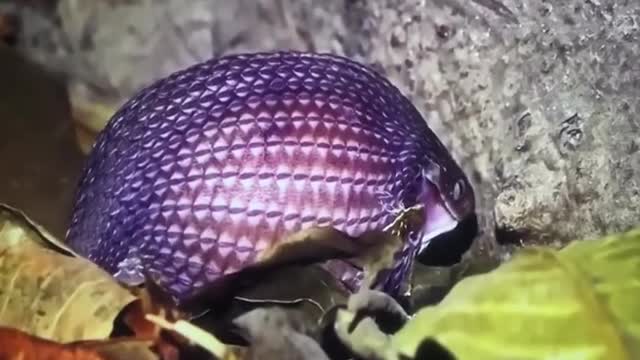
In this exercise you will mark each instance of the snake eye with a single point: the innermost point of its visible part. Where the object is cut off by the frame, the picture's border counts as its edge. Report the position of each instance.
(457, 190)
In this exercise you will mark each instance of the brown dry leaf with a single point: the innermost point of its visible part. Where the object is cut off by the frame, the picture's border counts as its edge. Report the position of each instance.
(308, 285)
(122, 349)
(50, 295)
(303, 291)
(18, 345)
(134, 315)
(35, 231)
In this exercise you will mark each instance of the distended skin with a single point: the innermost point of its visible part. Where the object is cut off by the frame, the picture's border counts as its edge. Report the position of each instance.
(202, 170)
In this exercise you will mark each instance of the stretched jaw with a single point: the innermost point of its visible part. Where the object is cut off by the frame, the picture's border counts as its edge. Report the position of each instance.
(438, 218)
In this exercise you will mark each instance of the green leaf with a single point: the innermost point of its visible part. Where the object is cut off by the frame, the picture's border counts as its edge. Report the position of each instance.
(581, 302)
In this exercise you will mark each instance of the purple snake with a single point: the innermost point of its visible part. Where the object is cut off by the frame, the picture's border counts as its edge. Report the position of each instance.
(203, 170)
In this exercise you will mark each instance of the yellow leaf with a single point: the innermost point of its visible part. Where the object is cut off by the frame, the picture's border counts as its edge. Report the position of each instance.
(581, 302)
(50, 295)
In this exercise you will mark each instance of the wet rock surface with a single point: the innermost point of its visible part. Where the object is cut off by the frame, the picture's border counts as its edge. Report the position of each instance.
(536, 98)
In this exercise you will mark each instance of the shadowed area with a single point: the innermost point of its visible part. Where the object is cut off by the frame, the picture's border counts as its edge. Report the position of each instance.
(39, 161)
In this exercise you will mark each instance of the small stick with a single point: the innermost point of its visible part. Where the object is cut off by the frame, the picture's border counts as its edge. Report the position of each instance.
(193, 333)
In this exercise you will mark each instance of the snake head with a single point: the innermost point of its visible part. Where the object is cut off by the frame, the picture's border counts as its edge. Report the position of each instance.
(448, 197)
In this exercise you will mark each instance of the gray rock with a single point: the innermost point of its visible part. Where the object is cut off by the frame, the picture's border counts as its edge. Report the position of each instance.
(538, 100)
(107, 50)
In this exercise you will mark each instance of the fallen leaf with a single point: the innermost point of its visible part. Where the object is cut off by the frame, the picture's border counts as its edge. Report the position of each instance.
(51, 295)
(295, 284)
(35, 231)
(122, 349)
(306, 290)
(17, 345)
(134, 314)
(579, 302)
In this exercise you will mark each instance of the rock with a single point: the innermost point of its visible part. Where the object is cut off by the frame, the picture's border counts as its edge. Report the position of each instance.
(109, 50)
(536, 99)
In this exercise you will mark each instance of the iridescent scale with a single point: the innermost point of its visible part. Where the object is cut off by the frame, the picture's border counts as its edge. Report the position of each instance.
(203, 170)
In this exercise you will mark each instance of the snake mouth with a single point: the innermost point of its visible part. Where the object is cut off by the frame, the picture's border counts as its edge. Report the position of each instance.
(438, 218)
